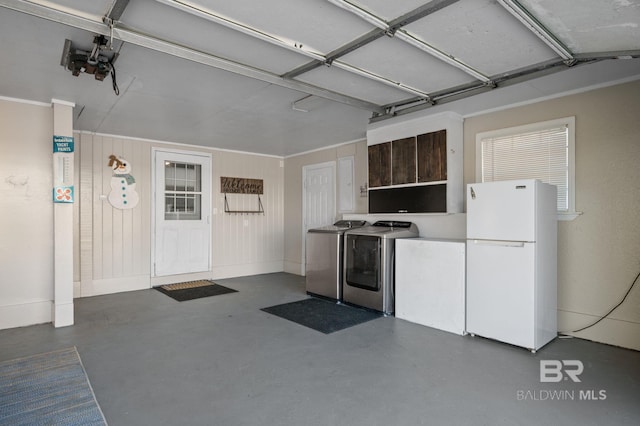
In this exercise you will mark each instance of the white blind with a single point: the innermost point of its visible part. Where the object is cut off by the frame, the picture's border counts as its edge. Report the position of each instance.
(541, 154)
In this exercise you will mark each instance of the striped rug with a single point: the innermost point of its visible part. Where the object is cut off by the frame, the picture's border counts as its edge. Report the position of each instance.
(47, 389)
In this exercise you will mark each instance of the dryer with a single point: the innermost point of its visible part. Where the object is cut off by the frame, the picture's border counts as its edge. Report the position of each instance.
(369, 257)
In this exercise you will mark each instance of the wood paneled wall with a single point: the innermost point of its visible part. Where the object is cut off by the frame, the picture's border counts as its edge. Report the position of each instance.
(114, 244)
(248, 243)
(114, 248)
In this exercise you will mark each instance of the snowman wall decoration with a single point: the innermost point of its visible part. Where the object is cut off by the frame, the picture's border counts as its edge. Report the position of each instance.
(123, 193)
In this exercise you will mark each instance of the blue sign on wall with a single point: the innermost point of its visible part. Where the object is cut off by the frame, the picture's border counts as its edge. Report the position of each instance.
(62, 144)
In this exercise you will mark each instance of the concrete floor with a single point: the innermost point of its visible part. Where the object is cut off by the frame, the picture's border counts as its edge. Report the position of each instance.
(222, 361)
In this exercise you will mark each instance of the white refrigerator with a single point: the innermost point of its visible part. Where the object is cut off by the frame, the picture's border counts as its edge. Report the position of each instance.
(512, 262)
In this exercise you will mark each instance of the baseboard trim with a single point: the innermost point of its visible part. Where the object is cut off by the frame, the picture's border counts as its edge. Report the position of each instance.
(24, 314)
(119, 285)
(294, 268)
(231, 271)
(62, 314)
(115, 285)
(610, 330)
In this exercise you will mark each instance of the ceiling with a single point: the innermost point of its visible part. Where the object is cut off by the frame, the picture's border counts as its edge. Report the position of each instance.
(281, 77)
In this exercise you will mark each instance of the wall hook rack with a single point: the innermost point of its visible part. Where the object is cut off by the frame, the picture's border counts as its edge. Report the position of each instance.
(233, 185)
(228, 210)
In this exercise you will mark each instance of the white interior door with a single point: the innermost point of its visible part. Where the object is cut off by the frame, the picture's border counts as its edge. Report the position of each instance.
(182, 213)
(318, 198)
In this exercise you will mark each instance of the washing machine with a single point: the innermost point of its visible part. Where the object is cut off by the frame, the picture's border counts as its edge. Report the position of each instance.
(369, 257)
(324, 257)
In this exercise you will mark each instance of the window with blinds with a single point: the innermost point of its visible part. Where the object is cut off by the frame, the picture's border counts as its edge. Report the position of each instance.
(541, 151)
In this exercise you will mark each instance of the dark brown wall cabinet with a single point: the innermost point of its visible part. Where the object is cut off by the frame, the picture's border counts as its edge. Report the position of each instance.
(403, 161)
(432, 156)
(413, 160)
(380, 165)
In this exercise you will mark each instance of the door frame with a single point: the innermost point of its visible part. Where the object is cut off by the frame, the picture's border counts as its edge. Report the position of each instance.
(154, 151)
(305, 169)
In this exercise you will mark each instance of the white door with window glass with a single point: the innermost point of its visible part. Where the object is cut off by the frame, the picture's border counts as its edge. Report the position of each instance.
(318, 198)
(182, 204)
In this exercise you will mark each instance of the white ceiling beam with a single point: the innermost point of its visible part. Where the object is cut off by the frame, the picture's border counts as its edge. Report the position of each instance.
(63, 16)
(411, 39)
(379, 78)
(444, 57)
(294, 46)
(364, 14)
(618, 54)
(117, 9)
(382, 29)
(522, 14)
(212, 16)
(60, 15)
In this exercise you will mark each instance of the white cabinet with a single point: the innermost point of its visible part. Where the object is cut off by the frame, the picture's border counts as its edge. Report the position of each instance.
(430, 283)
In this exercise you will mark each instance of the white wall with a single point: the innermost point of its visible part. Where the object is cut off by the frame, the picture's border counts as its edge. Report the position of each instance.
(26, 214)
(430, 225)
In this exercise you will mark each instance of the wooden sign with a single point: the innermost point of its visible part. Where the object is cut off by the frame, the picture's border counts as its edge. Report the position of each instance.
(232, 185)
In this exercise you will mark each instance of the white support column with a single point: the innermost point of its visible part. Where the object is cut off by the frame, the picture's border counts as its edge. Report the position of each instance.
(62, 309)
